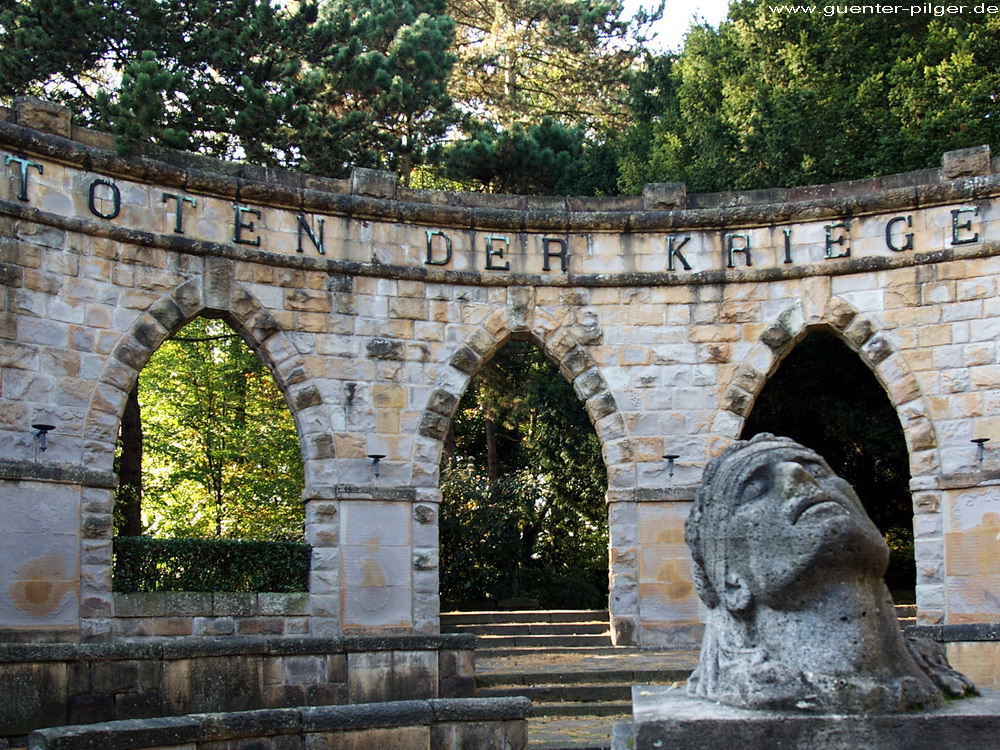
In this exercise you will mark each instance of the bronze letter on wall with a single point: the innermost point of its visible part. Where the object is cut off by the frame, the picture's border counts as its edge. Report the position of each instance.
(303, 225)
(731, 249)
(239, 225)
(180, 201)
(492, 253)
(116, 199)
(839, 240)
(562, 253)
(965, 226)
(22, 193)
(429, 259)
(908, 220)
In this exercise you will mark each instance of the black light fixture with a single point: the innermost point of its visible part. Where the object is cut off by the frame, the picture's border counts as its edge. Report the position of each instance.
(670, 463)
(41, 431)
(376, 457)
(979, 444)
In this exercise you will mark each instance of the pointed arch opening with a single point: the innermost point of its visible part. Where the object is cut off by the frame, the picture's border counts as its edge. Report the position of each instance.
(208, 453)
(523, 515)
(825, 397)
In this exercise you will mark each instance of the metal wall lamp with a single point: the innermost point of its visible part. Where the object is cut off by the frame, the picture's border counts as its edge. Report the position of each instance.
(979, 445)
(376, 457)
(41, 433)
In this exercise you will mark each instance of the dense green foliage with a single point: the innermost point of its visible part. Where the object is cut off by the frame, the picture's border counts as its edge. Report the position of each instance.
(530, 96)
(771, 99)
(221, 455)
(316, 86)
(523, 513)
(145, 564)
(825, 397)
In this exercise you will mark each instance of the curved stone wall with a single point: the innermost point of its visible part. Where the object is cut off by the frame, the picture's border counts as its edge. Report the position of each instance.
(440, 723)
(374, 306)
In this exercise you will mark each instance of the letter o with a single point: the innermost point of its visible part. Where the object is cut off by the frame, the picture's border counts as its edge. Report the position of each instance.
(116, 199)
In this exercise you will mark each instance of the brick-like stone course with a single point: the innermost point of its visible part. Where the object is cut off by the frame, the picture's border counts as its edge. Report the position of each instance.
(442, 724)
(52, 685)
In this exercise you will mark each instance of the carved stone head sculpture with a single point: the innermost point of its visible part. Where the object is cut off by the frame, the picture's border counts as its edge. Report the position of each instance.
(790, 568)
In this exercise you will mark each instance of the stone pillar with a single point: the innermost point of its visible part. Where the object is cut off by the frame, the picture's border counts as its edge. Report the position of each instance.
(928, 551)
(323, 535)
(623, 597)
(55, 553)
(426, 562)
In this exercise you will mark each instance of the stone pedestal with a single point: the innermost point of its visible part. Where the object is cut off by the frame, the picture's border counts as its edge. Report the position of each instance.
(667, 717)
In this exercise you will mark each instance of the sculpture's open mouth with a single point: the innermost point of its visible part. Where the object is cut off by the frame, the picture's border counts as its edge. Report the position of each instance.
(815, 503)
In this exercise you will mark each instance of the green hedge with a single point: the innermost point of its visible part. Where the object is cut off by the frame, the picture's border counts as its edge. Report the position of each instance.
(145, 564)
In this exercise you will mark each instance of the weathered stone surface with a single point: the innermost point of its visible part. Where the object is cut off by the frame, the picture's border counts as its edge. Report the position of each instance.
(666, 717)
(360, 339)
(662, 195)
(790, 567)
(966, 162)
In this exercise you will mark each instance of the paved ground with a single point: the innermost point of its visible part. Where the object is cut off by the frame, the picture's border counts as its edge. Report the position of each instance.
(563, 733)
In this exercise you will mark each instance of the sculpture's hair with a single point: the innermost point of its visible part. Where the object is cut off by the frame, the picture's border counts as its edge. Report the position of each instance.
(717, 496)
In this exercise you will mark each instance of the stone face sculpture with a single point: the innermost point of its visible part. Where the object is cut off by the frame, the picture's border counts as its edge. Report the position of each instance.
(790, 568)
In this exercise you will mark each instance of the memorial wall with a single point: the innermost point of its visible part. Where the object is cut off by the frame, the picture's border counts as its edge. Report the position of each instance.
(374, 305)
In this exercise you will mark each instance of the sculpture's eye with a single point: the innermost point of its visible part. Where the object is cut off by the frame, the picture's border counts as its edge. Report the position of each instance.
(817, 469)
(756, 486)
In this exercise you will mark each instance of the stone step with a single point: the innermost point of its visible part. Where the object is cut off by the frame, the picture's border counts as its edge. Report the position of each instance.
(547, 694)
(532, 628)
(528, 615)
(573, 732)
(491, 652)
(906, 610)
(491, 642)
(624, 676)
(590, 708)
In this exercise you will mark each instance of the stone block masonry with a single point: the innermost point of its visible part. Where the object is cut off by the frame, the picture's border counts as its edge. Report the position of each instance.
(435, 724)
(47, 685)
(374, 306)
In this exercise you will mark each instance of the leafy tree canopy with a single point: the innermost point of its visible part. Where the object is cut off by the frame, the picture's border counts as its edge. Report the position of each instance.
(314, 86)
(522, 60)
(772, 99)
(221, 454)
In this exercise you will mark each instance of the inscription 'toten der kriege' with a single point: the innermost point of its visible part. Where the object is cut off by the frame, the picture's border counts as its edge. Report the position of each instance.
(104, 200)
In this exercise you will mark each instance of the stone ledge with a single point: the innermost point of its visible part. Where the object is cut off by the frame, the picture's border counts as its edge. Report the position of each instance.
(274, 723)
(976, 631)
(668, 717)
(968, 480)
(373, 492)
(174, 649)
(333, 267)
(680, 494)
(40, 472)
(281, 188)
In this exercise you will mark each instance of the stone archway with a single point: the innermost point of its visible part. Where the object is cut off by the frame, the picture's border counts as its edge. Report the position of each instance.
(562, 346)
(217, 296)
(888, 364)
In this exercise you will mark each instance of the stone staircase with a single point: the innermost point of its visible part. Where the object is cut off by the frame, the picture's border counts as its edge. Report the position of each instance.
(563, 660)
(517, 632)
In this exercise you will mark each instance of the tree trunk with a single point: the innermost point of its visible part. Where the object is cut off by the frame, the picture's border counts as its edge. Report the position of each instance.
(130, 467)
(491, 451)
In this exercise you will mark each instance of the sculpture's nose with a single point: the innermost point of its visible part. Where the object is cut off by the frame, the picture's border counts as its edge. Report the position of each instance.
(791, 478)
